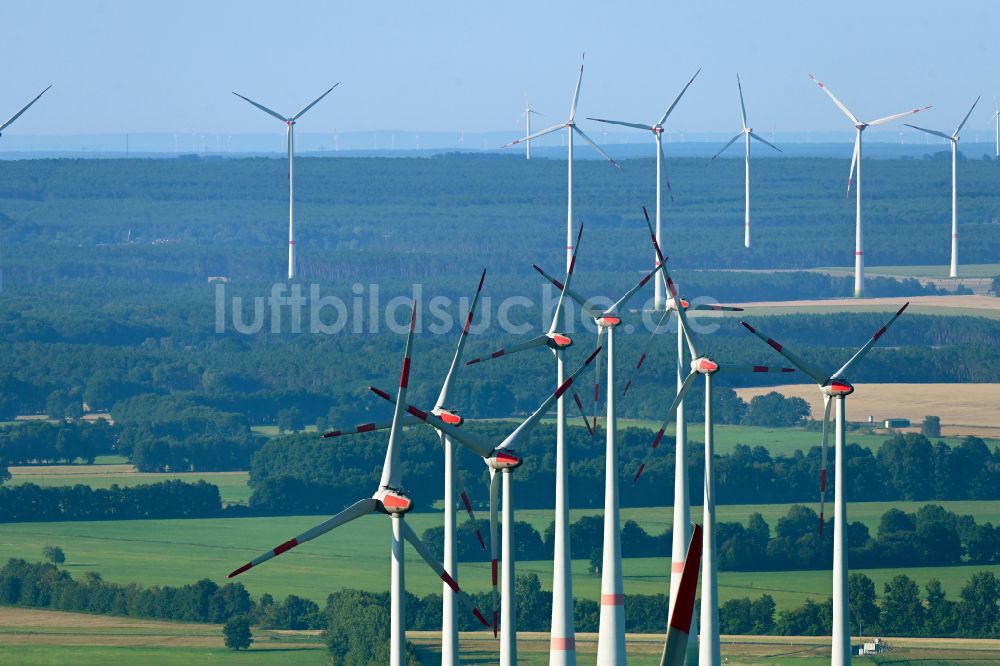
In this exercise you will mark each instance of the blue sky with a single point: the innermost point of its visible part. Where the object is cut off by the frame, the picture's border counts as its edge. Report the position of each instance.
(445, 66)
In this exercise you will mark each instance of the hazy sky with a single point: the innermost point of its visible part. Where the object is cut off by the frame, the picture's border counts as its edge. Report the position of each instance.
(141, 66)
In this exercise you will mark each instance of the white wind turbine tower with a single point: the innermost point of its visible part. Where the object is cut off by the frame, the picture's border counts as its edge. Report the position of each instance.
(452, 482)
(528, 112)
(393, 501)
(836, 388)
(657, 131)
(747, 134)
(504, 460)
(996, 119)
(702, 364)
(290, 133)
(953, 138)
(859, 127)
(10, 121)
(563, 648)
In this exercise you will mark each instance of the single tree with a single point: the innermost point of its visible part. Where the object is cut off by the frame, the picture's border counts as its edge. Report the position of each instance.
(54, 554)
(236, 633)
(931, 427)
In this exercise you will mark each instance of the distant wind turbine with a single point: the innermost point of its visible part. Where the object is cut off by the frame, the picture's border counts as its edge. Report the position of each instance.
(953, 138)
(860, 126)
(290, 132)
(747, 134)
(10, 121)
(528, 112)
(996, 119)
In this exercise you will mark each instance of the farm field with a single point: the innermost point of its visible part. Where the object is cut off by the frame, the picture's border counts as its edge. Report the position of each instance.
(928, 271)
(958, 305)
(964, 408)
(176, 552)
(232, 485)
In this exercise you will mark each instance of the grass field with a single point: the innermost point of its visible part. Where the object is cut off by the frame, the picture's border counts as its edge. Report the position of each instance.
(40, 637)
(232, 485)
(175, 552)
(933, 271)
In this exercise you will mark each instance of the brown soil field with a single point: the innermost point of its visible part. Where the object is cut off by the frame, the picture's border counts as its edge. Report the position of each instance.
(965, 409)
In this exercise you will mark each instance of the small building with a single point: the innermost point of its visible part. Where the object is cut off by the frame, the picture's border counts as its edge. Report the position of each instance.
(876, 646)
(892, 424)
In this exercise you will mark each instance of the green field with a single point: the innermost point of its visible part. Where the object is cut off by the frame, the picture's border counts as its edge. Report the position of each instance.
(930, 271)
(232, 485)
(175, 552)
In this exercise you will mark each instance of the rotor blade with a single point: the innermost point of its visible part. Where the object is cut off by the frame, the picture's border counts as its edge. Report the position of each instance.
(464, 496)
(645, 352)
(548, 130)
(579, 405)
(580, 300)
(449, 378)
(663, 160)
(421, 549)
(407, 419)
(390, 468)
(356, 510)
(929, 131)
(540, 341)
(735, 369)
(854, 161)
(597, 379)
(860, 354)
(798, 363)
(822, 472)
(596, 147)
(854, 119)
(529, 423)
(731, 142)
(671, 287)
(743, 107)
(263, 108)
(671, 412)
(466, 439)
(678, 98)
(23, 109)
(716, 307)
(882, 121)
(962, 124)
(765, 142)
(682, 613)
(620, 304)
(494, 542)
(315, 101)
(622, 122)
(576, 93)
(558, 318)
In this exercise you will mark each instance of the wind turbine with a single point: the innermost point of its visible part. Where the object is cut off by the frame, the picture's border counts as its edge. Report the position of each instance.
(10, 121)
(859, 127)
(562, 643)
(528, 112)
(835, 387)
(701, 364)
(657, 131)
(747, 134)
(290, 133)
(393, 501)
(452, 482)
(501, 458)
(953, 138)
(996, 119)
(611, 636)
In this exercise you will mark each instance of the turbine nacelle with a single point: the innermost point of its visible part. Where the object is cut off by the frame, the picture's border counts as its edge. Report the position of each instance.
(704, 366)
(392, 500)
(658, 130)
(837, 387)
(861, 127)
(558, 341)
(608, 321)
(448, 416)
(504, 459)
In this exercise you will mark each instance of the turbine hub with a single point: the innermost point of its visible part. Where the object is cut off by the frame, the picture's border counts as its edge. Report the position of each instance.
(837, 387)
(504, 459)
(392, 500)
(861, 127)
(448, 416)
(657, 130)
(609, 321)
(704, 365)
(558, 341)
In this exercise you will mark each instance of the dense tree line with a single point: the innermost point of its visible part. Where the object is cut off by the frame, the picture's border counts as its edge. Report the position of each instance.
(931, 536)
(28, 502)
(305, 474)
(37, 442)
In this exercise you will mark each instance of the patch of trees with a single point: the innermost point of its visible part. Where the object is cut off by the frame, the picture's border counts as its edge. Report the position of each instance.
(306, 474)
(39, 442)
(166, 499)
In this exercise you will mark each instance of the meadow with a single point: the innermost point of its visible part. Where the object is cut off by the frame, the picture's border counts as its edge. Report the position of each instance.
(175, 552)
